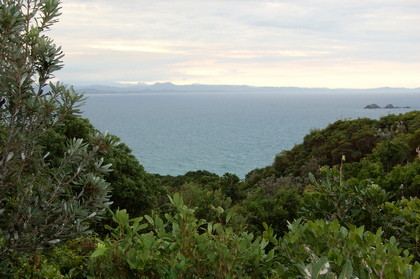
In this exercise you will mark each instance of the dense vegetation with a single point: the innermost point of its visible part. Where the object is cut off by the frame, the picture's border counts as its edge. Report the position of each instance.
(342, 204)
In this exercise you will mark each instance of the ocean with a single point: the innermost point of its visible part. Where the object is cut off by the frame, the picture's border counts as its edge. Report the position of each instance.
(234, 132)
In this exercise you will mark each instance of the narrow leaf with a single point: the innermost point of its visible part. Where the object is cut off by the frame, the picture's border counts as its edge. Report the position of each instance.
(347, 271)
(98, 252)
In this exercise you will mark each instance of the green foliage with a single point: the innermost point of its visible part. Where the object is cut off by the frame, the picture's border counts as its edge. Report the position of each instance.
(72, 258)
(133, 188)
(256, 175)
(55, 139)
(354, 229)
(405, 223)
(204, 191)
(335, 199)
(351, 138)
(42, 202)
(275, 209)
(200, 177)
(404, 180)
(390, 154)
(180, 247)
(272, 184)
(230, 186)
(323, 249)
(367, 205)
(31, 266)
(204, 200)
(379, 145)
(364, 170)
(66, 260)
(185, 247)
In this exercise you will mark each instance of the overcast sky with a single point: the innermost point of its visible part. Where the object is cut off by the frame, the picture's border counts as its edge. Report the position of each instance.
(305, 43)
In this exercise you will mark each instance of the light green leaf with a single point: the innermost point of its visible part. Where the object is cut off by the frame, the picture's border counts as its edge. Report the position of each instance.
(320, 268)
(99, 252)
(347, 271)
(150, 220)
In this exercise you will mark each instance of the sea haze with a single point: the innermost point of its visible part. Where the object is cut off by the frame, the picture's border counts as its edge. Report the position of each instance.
(235, 132)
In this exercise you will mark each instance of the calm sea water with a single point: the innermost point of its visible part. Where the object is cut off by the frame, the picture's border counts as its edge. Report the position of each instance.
(173, 133)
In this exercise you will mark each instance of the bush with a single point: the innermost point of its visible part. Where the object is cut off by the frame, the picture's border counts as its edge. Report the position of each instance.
(42, 202)
(323, 249)
(332, 198)
(405, 223)
(181, 247)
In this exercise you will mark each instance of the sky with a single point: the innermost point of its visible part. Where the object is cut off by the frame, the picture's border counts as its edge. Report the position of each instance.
(303, 43)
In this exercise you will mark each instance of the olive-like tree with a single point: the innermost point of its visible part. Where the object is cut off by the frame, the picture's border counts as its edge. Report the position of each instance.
(42, 203)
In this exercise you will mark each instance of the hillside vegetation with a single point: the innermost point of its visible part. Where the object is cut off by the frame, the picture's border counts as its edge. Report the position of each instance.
(75, 203)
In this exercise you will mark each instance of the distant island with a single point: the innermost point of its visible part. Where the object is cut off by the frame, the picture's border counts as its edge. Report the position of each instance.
(389, 106)
(168, 87)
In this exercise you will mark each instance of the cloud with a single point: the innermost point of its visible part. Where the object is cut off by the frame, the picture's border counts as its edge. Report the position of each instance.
(142, 46)
(244, 40)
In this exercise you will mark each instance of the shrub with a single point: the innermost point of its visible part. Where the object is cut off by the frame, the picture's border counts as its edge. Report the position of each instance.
(323, 249)
(42, 202)
(181, 247)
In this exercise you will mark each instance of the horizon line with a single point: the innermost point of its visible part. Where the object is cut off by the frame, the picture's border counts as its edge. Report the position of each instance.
(133, 84)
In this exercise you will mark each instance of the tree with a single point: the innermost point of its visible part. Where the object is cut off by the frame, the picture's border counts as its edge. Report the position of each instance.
(132, 187)
(275, 208)
(42, 202)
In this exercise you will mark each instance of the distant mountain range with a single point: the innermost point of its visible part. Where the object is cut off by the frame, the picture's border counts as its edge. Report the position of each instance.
(168, 87)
